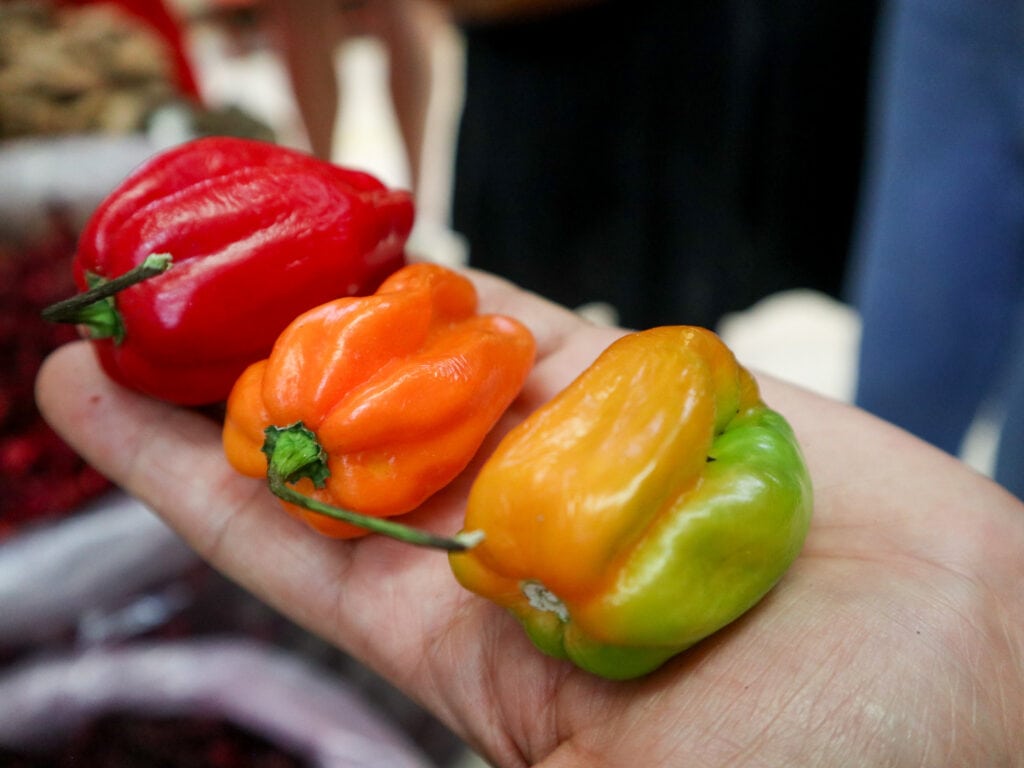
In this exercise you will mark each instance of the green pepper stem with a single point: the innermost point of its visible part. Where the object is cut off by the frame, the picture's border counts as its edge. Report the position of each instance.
(293, 452)
(82, 307)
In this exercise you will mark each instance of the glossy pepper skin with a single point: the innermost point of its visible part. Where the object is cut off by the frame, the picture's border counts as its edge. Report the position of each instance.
(257, 233)
(651, 503)
(399, 388)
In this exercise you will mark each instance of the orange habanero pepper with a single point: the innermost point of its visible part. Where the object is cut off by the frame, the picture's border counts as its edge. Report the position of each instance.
(652, 502)
(369, 405)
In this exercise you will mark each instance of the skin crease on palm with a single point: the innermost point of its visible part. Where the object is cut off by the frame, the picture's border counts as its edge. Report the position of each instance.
(896, 639)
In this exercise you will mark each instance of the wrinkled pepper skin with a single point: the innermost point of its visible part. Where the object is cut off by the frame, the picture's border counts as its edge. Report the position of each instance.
(258, 234)
(400, 389)
(651, 503)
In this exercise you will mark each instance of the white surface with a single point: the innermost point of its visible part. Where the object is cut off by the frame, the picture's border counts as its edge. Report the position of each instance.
(76, 172)
(800, 336)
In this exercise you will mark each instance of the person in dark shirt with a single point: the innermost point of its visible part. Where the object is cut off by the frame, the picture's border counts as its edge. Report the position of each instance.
(677, 161)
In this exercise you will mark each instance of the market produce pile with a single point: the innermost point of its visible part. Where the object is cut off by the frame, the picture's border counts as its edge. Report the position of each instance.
(95, 69)
(652, 502)
(78, 70)
(40, 476)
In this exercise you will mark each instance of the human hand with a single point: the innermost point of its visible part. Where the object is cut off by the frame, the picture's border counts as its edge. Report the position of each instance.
(897, 638)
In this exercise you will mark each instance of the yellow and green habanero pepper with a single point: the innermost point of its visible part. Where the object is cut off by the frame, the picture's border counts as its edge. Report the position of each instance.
(652, 502)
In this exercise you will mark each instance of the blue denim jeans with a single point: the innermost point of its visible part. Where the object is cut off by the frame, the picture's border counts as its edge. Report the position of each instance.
(939, 259)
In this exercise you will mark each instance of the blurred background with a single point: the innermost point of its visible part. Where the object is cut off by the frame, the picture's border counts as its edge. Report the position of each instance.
(699, 163)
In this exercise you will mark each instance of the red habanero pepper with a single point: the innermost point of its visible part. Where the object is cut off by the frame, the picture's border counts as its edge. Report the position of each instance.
(373, 404)
(256, 234)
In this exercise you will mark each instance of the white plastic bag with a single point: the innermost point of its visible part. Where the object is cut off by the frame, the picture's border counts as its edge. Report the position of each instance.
(265, 691)
(52, 576)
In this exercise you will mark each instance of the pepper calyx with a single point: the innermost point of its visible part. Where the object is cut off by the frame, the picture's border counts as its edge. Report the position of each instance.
(100, 318)
(95, 308)
(294, 453)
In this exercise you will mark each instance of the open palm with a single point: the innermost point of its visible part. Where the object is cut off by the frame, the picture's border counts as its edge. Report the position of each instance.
(897, 638)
